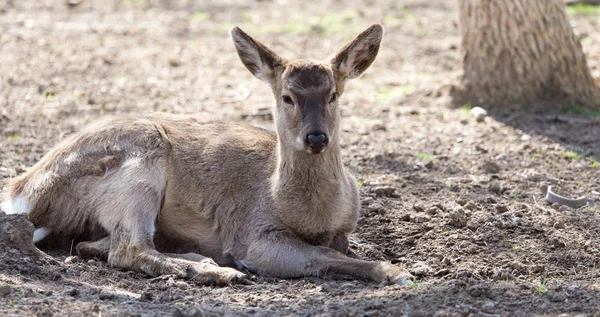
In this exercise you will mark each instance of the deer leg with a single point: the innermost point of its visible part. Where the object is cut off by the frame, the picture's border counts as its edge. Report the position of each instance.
(94, 249)
(291, 258)
(340, 243)
(128, 213)
(99, 249)
(194, 257)
(141, 256)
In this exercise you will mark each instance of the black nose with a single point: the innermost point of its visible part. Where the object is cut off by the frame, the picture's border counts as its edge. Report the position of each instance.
(316, 141)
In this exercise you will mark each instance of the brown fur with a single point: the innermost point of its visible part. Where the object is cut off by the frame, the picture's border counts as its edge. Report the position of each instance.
(227, 192)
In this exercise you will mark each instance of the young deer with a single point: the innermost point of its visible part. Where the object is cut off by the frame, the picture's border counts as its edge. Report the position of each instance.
(167, 194)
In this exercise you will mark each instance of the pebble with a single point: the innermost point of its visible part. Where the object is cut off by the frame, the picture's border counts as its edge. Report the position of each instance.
(377, 208)
(488, 307)
(418, 208)
(4, 290)
(559, 224)
(194, 312)
(422, 218)
(471, 206)
(491, 168)
(544, 188)
(146, 297)
(564, 208)
(495, 188)
(501, 208)
(378, 127)
(72, 292)
(432, 211)
(384, 191)
(458, 218)
(420, 269)
(71, 259)
(557, 296)
(479, 114)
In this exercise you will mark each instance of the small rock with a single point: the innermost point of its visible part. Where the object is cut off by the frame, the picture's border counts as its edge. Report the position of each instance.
(495, 188)
(377, 208)
(420, 269)
(518, 266)
(461, 201)
(479, 114)
(174, 62)
(422, 218)
(73, 3)
(488, 307)
(384, 191)
(557, 243)
(501, 208)
(564, 208)
(405, 217)
(72, 292)
(367, 201)
(194, 312)
(491, 168)
(557, 296)
(432, 211)
(544, 189)
(4, 290)
(471, 206)
(378, 127)
(538, 268)
(458, 218)
(481, 149)
(418, 208)
(146, 297)
(502, 275)
(559, 224)
(71, 259)
(429, 165)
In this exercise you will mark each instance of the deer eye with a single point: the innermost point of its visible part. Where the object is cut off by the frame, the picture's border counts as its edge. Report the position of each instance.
(333, 97)
(287, 99)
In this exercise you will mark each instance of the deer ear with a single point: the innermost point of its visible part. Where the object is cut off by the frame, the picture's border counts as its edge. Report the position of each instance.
(354, 59)
(259, 59)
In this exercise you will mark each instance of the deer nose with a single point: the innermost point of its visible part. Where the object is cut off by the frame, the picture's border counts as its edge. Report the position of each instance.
(316, 141)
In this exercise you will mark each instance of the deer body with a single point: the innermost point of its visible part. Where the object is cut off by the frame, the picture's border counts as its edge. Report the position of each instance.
(168, 194)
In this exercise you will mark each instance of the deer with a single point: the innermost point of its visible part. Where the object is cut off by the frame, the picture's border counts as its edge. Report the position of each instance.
(212, 201)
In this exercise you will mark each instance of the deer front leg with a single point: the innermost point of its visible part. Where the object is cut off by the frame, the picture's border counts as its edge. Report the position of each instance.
(340, 243)
(289, 258)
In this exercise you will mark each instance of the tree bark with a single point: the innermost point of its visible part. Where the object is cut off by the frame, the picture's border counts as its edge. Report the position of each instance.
(520, 50)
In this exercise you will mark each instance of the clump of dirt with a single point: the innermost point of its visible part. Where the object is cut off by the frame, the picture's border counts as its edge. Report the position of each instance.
(17, 235)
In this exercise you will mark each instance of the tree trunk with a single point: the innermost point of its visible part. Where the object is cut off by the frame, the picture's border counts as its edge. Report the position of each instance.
(520, 50)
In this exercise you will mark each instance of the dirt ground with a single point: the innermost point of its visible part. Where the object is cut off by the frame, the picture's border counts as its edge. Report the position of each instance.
(457, 201)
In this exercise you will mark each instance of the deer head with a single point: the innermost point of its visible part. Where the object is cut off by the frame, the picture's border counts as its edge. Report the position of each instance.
(307, 93)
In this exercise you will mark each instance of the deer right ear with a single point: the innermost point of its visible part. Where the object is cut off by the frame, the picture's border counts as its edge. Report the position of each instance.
(354, 59)
(259, 59)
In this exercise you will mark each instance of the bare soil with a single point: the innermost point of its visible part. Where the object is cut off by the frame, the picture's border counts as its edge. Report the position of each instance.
(457, 201)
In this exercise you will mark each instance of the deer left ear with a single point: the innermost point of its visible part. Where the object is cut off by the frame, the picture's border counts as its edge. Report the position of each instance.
(258, 58)
(354, 59)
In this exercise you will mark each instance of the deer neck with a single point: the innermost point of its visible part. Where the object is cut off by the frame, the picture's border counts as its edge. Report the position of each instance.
(300, 172)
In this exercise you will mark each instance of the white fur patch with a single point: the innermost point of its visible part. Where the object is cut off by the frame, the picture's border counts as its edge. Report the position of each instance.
(17, 205)
(40, 233)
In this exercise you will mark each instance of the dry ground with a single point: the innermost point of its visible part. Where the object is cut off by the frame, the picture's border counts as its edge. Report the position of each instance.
(463, 208)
